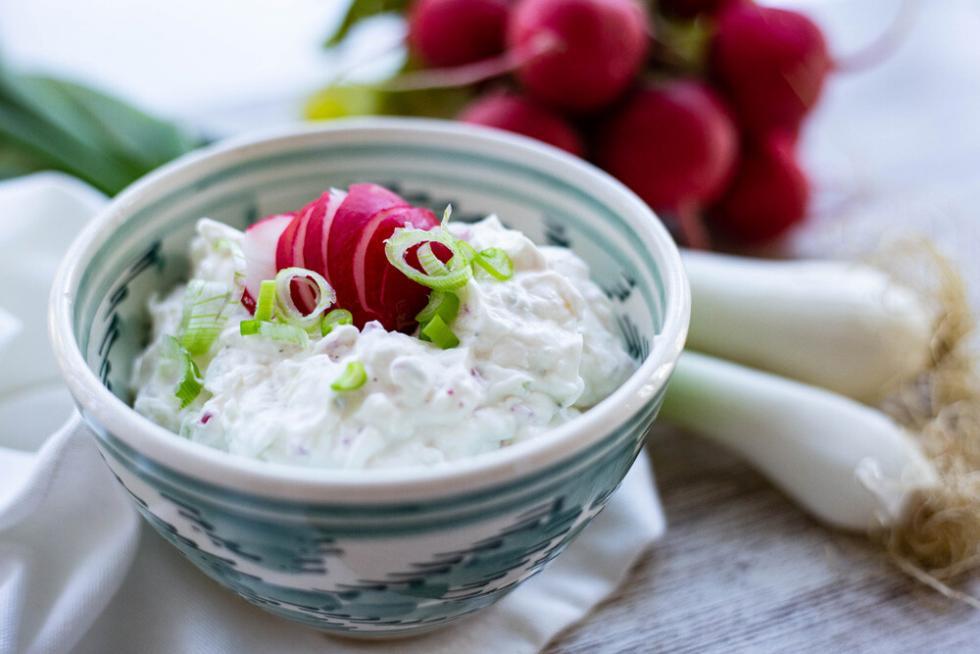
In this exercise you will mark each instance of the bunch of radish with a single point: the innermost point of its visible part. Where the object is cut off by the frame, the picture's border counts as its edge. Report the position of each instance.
(696, 106)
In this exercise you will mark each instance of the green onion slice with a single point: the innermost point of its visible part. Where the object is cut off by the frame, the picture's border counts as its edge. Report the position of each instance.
(290, 312)
(202, 319)
(496, 262)
(265, 308)
(275, 331)
(353, 377)
(444, 304)
(335, 318)
(457, 272)
(431, 264)
(438, 332)
(191, 383)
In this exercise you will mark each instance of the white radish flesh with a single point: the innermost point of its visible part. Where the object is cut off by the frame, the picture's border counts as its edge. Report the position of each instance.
(259, 250)
(845, 463)
(846, 327)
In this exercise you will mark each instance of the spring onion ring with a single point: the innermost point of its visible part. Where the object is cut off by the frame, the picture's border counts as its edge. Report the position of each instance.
(353, 377)
(191, 382)
(202, 319)
(496, 262)
(439, 333)
(284, 333)
(335, 318)
(265, 307)
(457, 270)
(289, 312)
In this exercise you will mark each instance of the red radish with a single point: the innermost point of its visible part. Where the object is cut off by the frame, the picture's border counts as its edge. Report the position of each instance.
(691, 8)
(595, 48)
(456, 32)
(772, 63)
(523, 116)
(259, 246)
(673, 144)
(315, 244)
(363, 202)
(768, 195)
(371, 265)
(342, 236)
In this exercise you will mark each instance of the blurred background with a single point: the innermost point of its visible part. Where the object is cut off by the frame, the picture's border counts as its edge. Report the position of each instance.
(893, 130)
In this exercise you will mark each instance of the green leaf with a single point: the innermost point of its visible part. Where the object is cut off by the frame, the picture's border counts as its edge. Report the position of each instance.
(47, 123)
(358, 10)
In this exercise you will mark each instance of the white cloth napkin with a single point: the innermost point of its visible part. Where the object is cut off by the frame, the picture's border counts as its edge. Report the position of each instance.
(80, 572)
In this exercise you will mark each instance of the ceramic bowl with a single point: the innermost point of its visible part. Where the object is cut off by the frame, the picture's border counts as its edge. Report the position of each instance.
(375, 553)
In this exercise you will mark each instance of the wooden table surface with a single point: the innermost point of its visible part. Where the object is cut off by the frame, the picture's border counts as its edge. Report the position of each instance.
(741, 568)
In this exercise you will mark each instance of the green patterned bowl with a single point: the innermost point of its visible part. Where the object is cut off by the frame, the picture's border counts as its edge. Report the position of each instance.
(380, 553)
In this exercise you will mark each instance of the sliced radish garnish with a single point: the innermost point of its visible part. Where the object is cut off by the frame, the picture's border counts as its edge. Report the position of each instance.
(363, 201)
(315, 245)
(370, 260)
(303, 294)
(259, 248)
(403, 298)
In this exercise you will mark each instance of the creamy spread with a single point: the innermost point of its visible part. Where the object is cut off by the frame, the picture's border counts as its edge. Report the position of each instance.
(535, 351)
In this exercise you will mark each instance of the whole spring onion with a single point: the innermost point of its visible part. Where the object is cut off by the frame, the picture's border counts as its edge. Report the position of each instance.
(846, 463)
(202, 319)
(353, 377)
(335, 318)
(843, 326)
(289, 312)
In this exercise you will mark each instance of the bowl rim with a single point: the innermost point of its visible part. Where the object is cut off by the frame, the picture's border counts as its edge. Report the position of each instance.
(288, 481)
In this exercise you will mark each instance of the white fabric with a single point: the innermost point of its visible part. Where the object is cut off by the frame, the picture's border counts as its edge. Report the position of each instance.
(80, 572)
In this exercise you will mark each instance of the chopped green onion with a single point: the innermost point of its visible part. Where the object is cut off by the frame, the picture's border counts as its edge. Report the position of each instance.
(496, 262)
(290, 312)
(467, 250)
(202, 320)
(441, 303)
(265, 308)
(353, 377)
(457, 271)
(447, 214)
(191, 383)
(275, 331)
(431, 264)
(438, 332)
(335, 318)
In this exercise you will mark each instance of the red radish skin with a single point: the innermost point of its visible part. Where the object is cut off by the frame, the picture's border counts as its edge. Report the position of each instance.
(674, 144)
(447, 33)
(767, 197)
(314, 246)
(259, 247)
(523, 116)
(598, 47)
(363, 201)
(372, 268)
(771, 63)
(401, 296)
(692, 8)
